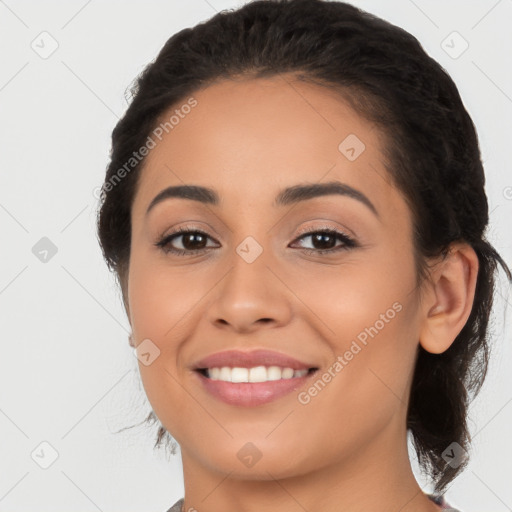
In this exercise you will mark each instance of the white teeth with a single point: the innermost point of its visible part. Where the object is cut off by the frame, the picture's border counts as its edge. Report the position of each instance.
(256, 374)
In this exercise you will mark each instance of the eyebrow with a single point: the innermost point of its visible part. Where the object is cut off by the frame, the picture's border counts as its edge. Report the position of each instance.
(290, 195)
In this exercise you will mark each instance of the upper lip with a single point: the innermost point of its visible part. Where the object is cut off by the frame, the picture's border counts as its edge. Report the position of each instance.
(260, 357)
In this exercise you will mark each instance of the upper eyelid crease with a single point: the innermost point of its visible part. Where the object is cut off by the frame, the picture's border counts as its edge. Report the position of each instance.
(290, 195)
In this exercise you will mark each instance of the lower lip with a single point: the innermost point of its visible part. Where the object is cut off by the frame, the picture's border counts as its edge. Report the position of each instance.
(249, 394)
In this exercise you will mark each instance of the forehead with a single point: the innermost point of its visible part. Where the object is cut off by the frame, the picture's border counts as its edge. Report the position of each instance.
(252, 137)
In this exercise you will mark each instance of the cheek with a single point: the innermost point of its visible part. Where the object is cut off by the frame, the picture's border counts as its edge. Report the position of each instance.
(159, 296)
(370, 314)
(373, 350)
(161, 301)
(360, 293)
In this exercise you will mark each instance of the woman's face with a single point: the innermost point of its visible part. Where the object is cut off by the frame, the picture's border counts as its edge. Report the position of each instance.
(256, 281)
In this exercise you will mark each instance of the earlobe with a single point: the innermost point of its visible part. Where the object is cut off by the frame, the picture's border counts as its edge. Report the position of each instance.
(450, 299)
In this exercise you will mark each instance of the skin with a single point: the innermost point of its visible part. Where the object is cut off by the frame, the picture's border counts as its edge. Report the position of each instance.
(345, 449)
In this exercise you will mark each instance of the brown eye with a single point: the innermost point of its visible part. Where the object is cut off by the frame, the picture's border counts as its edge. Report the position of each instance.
(324, 241)
(191, 241)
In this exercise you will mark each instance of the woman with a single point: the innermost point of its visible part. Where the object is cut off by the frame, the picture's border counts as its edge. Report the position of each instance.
(295, 212)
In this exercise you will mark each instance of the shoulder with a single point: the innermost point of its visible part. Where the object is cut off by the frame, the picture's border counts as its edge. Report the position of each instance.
(439, 500)
(177, 506)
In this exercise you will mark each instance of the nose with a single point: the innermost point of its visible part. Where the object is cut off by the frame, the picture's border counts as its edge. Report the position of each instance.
(250, 296)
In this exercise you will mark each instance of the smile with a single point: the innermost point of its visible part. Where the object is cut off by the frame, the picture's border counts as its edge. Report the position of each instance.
(250, 387)
(255, 374)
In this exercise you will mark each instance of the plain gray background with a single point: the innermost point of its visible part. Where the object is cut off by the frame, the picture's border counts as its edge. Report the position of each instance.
(68, 378)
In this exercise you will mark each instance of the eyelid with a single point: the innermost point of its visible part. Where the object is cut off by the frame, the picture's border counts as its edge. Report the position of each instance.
(189, 226)
(302, 231)
(182, 230)
(312, 229)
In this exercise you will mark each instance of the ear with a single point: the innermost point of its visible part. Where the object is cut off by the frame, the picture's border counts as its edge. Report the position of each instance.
(449, 299)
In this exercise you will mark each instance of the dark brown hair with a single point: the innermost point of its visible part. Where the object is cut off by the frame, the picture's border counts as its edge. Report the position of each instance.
(432, 155)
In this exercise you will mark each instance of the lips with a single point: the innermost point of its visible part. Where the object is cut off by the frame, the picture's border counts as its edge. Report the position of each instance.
(250, 394)
(240, 359)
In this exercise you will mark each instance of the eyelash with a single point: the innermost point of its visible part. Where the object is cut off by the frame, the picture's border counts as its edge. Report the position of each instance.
(164, 242)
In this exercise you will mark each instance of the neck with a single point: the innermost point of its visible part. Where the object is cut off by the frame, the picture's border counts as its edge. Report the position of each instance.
(377, 476)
